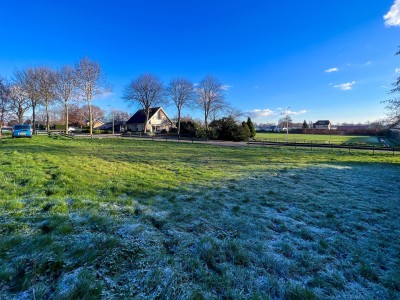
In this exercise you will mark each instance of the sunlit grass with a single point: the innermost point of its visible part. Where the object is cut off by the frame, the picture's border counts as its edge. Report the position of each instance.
(115, 218)
(318, 138)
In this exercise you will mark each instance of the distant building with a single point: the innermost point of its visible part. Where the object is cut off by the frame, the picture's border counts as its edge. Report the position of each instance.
(322, 124)
(158, 121)
(269, 128)
(95, 123)
(118, 126)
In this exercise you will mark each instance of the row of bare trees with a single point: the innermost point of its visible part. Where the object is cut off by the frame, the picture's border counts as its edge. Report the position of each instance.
(148, 91)
(31, 88)
(35, 87)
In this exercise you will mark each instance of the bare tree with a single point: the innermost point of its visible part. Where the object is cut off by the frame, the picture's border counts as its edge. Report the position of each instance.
(210, 97)
(76, 115)
(181, 92)
(393, 105)
(119, 116)
(47, 81)
(285, 121)
(29, 81)
(234, 113)
(4, 101)
(65, 88)
(90, 83)
(147, 91)
(97, 113)
(19, 102)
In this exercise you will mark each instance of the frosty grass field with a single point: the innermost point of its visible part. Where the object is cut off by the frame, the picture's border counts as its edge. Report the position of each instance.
(125, 219)
(319, 138)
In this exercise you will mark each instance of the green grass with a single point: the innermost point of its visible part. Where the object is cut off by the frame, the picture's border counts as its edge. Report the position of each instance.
(318, 138)
(125, 219)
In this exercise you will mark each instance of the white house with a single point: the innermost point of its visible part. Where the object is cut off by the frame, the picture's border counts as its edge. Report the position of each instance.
(158, 121)
(322, 124)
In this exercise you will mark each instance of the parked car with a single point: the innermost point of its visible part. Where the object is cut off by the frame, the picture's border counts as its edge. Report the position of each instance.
(6, 129)
(72, 129)
(22, 130)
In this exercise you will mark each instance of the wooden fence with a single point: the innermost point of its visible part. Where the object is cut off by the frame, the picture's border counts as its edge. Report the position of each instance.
(311, 145)
(262, 143)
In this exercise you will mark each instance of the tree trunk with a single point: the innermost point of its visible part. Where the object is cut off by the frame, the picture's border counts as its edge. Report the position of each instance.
(47, 117)
(34, 118)
(147, 112)
(66, 117)
(206, 123)
(90, 120)
(20, 116)
(179, 122)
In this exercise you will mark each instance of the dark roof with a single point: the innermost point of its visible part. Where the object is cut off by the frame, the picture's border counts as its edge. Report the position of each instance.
(322, 122)
(140, 116)
(108, 126)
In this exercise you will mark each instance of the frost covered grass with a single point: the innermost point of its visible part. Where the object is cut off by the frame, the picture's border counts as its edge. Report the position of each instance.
(123, 219)
(319, 138)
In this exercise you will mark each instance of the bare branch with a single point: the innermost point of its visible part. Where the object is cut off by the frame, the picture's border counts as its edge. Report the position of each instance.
(65, 88)
(393, 105)
(210, 97)
(19, 102)
(47, 82)
(147, 91)
(5, 101)
(90, 82)
(181, 91)
(29, 81)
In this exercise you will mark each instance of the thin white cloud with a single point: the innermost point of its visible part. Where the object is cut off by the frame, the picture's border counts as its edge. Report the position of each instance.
(331, 70)
(300, 112)
(263, 113)
(392, 18)
(226, 87)
(397, 70)
(345, 86)
(368, 63)
(259, 113)
(294, 113)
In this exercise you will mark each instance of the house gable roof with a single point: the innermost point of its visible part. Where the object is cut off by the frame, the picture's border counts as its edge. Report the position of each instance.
(322, 122)
(140, 116)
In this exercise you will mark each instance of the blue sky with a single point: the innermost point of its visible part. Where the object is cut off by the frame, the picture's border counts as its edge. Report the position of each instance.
(323, 59)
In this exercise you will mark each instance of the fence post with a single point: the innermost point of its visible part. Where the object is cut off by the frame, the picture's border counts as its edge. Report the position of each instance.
(373, 149)
(393, 149)
(192, 139)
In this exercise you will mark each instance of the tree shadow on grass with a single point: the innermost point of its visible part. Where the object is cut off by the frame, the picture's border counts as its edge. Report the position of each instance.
(254, 235)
